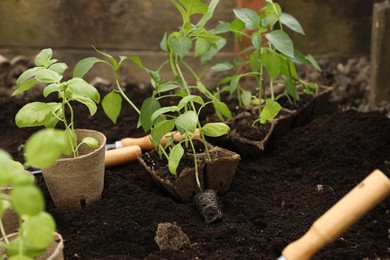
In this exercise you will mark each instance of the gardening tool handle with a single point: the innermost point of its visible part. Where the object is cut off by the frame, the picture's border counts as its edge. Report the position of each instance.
(365, 196)
(122, 155)
(146, 144)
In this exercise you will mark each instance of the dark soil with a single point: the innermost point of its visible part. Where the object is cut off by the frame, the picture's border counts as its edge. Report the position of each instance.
(273, 199)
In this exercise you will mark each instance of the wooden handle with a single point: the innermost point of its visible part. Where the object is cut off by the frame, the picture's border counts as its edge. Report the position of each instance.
(146, 144)
(122, 155)
(365, 196)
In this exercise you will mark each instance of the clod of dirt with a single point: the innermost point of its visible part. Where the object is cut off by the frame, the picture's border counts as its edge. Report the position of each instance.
(170, 236)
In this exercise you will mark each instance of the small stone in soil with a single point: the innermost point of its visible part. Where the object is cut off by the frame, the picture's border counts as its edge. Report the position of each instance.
(170, 236)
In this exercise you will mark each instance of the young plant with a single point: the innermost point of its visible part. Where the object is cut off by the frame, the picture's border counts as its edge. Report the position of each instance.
(183, 117)
(112, 102)
(37, 227)
(272, 52)
(50, 72)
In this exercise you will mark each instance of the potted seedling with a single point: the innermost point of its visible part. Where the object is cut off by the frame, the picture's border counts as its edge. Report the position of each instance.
(36, 237)
(271, 58)
(76, 179)
(183, 116)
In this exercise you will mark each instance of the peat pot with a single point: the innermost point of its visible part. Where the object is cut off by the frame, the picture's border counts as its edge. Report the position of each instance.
(216, 174)
(181, 187)
(220, 170)
(10, 218)
(55, 251)
(250, 141)
(74, 183)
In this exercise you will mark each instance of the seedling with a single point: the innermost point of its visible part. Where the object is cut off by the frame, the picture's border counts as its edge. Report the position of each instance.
(50, 72)
(112, 102)
(37, 227)
(272, 53)
(184, 116)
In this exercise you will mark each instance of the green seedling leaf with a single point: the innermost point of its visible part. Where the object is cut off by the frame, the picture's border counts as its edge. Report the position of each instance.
(26, 85)
(234, 83)
(187, 122)
(220, 67)
(54, 87)
(236, 26)
(248, 16)
(201, 46)
(206, 35)
(175, 156)
(272, 13)
(163, 43)
(288, 69)
(91, 142)
(282, 42)
(54, 119)
(313, 62)
(137, 61)
(291, 89)
(36, 114)
(207, 56)
(299, 58)
(256, 40)
(272, 62)
(80, 87)
(59, 68)
(270, 110)
(215, 129)
(44, 147)
(71, 141)
(222, 109)
(27, 200)
(43, 57)
(194, 7)
(161, 129)
(181, 46)
(162, 111)
(48, 76)
(190, 98)
(208, 14)
(222, 27)
(108, 57)
(112, 105)
(39, 230)
(185, 16)
(26, 252)
(291, 22)
(149, 106)
(246, 97)
(89, 103)
(83, 66)
(26, 75)
(165, 87)
(254, 61)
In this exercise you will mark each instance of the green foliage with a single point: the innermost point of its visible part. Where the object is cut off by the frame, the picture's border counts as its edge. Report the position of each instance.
(183, 116)
(112, 102)
(37, 227)
(50, 72)
(272, 52)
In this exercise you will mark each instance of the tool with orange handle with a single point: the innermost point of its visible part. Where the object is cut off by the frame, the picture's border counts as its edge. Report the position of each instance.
(145, 142)
(365, 196)
(122, 155)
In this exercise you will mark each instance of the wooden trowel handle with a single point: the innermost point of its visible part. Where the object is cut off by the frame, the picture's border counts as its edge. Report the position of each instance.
(146, 145)
(365, 196)
(122, 155)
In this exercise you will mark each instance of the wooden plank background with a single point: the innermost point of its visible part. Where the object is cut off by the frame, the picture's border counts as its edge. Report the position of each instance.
(135, 27)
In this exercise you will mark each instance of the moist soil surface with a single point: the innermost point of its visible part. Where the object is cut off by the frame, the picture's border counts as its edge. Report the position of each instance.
(273, 199)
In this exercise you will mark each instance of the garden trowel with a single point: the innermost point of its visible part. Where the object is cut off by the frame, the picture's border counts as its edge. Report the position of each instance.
(365, 196)
(145, 142)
